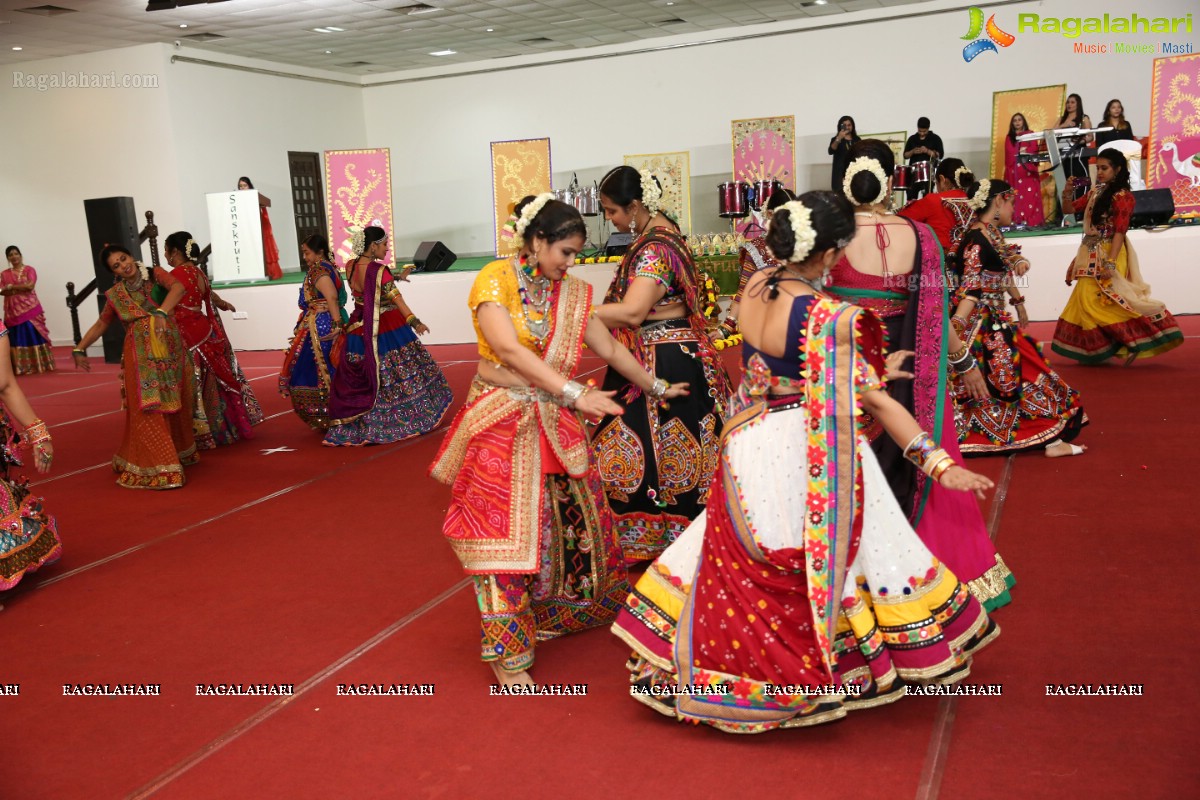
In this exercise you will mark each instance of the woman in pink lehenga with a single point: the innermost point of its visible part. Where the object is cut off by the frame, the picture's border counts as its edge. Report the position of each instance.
(894, 268)
(1026, 179)
(24, 317)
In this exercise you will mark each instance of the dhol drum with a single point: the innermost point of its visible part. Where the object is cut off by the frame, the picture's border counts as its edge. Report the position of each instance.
(587, 201)
(761, 192)
(900, 176)
(732, 199)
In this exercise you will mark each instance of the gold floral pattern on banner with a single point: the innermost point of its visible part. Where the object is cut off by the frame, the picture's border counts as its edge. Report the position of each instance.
(1041, 106)
(358, 192)
(894, 140)
(1173, 154)
(674, 173)
(765, 148)
(520, 167)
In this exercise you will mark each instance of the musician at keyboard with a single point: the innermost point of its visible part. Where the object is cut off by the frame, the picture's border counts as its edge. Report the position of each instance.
(1075, 160)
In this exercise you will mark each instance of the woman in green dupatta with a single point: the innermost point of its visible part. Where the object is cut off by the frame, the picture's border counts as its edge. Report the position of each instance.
(156, 373)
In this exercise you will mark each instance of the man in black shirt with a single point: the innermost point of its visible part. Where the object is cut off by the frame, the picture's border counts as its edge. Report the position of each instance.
(922, 146)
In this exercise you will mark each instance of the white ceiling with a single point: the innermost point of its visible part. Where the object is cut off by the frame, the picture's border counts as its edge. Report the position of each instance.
(381, 35)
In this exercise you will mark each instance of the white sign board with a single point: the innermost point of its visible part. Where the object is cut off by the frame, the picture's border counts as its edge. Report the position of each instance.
(236, 230)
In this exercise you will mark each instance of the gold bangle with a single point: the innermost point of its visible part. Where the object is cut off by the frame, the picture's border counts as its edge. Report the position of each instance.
(940, 468)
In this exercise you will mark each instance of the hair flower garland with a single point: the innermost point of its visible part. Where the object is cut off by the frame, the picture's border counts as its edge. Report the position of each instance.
(800, 221)
(651, 194)
(865, 164)
(187, 248)
(979, 200)
(143, 270)
(958, 173)
(530, 211)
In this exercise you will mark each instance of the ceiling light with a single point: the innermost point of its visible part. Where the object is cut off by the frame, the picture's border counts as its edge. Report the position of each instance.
(183, 25)
(444, 53)
(490, 30)
(18, 48)
(819, 2)
(420, 8)
(328, 52)
(329, 29)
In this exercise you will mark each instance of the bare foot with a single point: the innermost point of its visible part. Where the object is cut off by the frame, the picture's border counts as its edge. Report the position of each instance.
(1061, 449)
(506, 678)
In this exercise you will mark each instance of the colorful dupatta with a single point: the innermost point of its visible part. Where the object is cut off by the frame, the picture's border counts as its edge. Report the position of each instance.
(24, 306)
(687, 279)
(926, 319)
(355, 384)
(789, 597)
(493, 457)
(159, 355)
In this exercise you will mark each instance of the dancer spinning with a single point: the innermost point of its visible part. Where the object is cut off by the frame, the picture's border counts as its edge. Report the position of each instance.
(158, 381)
(804, 579)
(28, 535)
(24, 316)
(307, 370)
(224, 408)
(894, 268)
(1110, 312)
(387, 387)
(527, 514)
(657, 462)
(1026, 404)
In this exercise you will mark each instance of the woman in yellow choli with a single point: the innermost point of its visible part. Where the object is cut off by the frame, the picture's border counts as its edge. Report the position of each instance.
(528, 517)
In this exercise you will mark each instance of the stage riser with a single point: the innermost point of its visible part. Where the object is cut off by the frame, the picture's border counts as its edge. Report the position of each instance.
(1170, 262)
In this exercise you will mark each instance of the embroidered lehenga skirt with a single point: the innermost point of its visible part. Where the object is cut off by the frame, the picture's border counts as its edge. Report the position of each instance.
(412, 396)
(727, 608)
(656, 462)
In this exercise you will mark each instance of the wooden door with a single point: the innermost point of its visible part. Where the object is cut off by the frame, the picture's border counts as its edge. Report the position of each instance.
(308, 196)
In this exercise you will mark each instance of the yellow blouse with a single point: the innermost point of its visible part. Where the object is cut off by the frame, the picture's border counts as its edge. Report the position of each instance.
(497, 283)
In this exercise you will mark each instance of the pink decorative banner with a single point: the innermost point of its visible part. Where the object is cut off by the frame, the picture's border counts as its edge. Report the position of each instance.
(1174, 150)
(764, 149)
(358, 192)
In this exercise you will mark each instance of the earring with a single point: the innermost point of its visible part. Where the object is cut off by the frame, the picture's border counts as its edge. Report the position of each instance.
(532, 263)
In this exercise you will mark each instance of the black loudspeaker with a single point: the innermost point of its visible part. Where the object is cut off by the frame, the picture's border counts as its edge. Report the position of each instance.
(1152, 207)
(111, 220)
(617, 244)
(433, 257)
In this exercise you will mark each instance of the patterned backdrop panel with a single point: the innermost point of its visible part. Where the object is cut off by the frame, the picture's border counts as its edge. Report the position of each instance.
(765, 148)
(1174, 151)
(1041, 106)
(519, 167)
(358, 191)
(674, 173)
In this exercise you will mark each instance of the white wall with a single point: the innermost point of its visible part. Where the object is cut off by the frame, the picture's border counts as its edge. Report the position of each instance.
(166, 147)
(204, 126)
(884, 73)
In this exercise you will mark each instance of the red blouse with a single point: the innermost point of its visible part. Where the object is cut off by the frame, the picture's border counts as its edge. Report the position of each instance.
(931, 210)
(1118, 216)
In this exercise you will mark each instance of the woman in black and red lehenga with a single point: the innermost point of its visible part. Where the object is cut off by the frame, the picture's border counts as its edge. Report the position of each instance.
(657, 462)
(1028, 404)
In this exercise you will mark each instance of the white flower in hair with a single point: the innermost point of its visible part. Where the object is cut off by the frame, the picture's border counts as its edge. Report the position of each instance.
(651, 194)
(800, 221)
(187, 248)
(958, 173)
(979, 200)
(143, 270)
(865, 164)
(530, 211)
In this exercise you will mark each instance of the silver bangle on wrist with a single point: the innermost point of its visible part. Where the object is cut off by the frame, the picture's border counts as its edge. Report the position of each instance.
(571, 392)
(659, 389)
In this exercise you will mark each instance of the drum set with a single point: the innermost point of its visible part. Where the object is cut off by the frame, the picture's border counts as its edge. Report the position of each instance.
(736, 199)
(920, 176)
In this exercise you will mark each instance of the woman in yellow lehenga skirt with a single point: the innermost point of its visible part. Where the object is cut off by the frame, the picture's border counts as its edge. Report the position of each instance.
(1110, 312)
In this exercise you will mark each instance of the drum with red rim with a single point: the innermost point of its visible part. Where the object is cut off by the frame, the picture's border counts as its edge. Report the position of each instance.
(732, 199)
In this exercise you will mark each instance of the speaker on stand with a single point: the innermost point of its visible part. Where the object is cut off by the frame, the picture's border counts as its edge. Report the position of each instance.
(111, 220)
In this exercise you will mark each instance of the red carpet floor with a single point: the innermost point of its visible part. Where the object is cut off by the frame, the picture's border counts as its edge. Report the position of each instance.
(283, 561)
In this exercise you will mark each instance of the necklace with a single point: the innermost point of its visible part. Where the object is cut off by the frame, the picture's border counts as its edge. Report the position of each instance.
(536, 295)
(816, 284)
